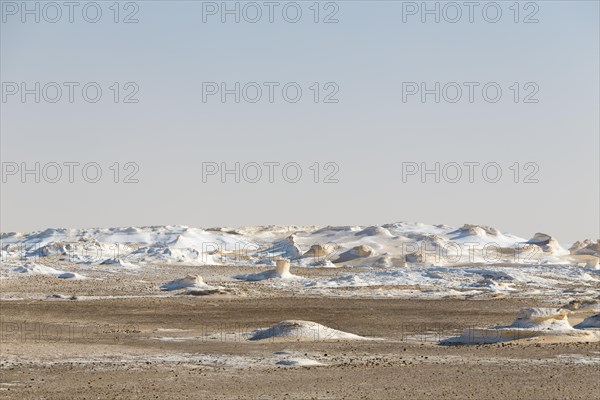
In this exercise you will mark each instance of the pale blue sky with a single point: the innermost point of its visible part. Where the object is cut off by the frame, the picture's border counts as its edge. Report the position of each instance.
(369, 133)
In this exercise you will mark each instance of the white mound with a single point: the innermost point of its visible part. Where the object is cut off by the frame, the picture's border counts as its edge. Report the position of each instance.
(374, 231)
(476, 230)
(302, 331)
(590, 322)
(195, 284)
(38, 269)
(551, 323)
(299, 362)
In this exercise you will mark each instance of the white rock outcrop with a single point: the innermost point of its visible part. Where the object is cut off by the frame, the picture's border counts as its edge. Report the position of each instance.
(530, 323)
(194, 284)
(547, 244)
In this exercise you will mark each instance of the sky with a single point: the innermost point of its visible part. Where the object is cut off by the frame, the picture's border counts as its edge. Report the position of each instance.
(301, 113)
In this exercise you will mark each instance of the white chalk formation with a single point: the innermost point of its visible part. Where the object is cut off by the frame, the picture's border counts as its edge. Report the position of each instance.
(317, 251)
(530, 323)
(350, 245)
(542, 319)
(193, 284)
(282, 267)
(281, 271)
(547, 244)
(403, 259)
(360, 251)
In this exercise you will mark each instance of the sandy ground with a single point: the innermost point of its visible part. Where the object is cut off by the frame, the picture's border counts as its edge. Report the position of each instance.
(195, 347)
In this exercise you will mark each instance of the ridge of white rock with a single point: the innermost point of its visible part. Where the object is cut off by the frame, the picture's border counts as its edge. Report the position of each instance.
(345, 246)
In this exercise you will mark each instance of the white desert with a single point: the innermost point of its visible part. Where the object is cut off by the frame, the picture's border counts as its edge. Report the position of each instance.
(400, 310)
